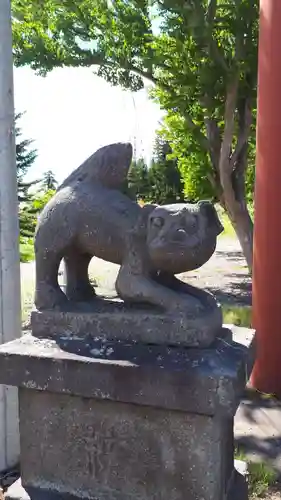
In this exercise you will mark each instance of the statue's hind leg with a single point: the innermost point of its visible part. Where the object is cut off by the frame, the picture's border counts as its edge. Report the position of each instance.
(48, 294)
(78, 286)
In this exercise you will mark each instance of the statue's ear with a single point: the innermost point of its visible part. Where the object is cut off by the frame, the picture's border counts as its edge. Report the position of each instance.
(136, 241)
(137, 235)
(145, 212)
(140, 230)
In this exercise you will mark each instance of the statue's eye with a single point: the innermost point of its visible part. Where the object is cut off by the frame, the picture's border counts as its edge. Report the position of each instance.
(157, 222)
(191, 220)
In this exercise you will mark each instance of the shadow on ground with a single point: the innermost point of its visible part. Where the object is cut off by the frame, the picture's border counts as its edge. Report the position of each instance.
(237, 293)
(258, 429)
(231, 255)
(225, 275)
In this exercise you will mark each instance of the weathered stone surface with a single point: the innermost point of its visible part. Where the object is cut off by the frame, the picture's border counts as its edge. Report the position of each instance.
(113, 450)
(238, 489)
(207, 381)
(90, 216)
(112, 320)
(126, 421)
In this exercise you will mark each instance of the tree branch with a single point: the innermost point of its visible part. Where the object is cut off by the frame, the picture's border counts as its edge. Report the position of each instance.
(225, 171)
(100, 60)
(214, 139)
(214, 49)
(211, 11)
(245, 121)
(217, 55)
(230, 106)
(238, 176)
(143, 74)
(201, 137)
(211, 178)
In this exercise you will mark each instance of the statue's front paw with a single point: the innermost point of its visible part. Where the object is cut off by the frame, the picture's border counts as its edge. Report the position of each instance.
(49, 297)
(85, 293)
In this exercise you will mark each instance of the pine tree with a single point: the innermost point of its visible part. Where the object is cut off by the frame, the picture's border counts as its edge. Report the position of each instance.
(49, 182)
(165, 182)
(138, 182)
(25, 157)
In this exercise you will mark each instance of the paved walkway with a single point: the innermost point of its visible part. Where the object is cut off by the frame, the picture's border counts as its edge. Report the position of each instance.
(258, 429)
(225, 274)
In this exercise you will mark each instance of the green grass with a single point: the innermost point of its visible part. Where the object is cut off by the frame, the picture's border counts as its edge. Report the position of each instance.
(236, 315)
(239, 316)
(26, 251)
(228, 228)
(261, 477)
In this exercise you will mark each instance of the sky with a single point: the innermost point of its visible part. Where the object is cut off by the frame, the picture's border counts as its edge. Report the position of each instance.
(71, 113)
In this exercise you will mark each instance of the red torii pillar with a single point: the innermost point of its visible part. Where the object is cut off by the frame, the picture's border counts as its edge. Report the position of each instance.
(266, 375)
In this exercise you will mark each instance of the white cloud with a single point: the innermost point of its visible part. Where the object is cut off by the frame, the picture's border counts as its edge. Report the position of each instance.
(71, 112)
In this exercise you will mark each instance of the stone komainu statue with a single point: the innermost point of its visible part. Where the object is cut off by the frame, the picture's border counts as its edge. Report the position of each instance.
(91, 216)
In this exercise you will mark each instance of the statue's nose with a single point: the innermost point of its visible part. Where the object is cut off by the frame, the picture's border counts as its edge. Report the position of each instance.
(180, 235)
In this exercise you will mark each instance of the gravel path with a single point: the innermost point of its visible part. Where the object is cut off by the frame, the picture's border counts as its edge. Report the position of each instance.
(225, 274)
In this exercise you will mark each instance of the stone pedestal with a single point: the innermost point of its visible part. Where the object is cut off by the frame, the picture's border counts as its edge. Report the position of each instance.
(124, 421)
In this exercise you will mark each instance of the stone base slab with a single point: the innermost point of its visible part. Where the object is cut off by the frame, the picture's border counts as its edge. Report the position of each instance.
(238, 490)
(203, 381)
(108, 450)
(112, 320)
(126, 421)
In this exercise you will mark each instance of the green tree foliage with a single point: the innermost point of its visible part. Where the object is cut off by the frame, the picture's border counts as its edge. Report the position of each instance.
(138, 182)
(161, 182)
(41, 199)
(27, 220)
(200, 55)
(28, 215)
(30, 203)
(29, 212)
(25, 158)
(49, 182)
(165, 182)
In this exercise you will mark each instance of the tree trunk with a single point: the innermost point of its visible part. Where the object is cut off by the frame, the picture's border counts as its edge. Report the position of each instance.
(230, 164)
(232, 167)
(244, 228)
